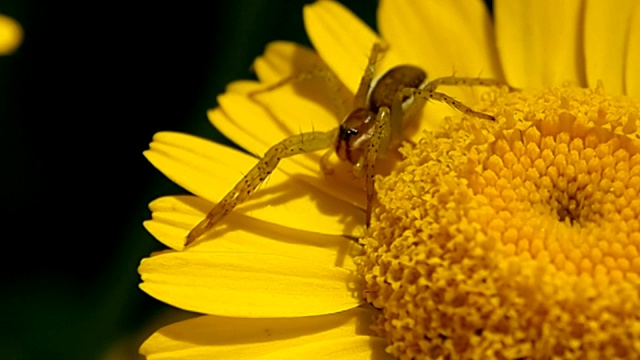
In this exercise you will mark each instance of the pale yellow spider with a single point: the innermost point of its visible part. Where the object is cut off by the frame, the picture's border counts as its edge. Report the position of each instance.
(373, 126)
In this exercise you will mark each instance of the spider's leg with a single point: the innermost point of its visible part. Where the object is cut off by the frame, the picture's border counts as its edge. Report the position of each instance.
(424, 95)
(294, 145)
(335, 87)
(378, 144)
(438, 96)
(462, 81)
(365, 82)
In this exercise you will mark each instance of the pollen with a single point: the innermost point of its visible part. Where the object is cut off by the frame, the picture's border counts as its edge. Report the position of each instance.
(518, 238)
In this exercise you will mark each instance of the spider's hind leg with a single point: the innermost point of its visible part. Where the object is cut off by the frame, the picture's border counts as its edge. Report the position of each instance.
(428, 92)
(438, 96)
(333, 99)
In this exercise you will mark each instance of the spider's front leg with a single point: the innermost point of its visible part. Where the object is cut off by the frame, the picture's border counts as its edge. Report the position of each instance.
(378, 144)
(294, 145)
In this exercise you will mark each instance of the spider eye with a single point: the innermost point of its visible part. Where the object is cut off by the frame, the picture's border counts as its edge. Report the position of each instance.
(347, 133)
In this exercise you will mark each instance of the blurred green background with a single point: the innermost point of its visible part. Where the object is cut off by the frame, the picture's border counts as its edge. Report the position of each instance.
(79, 102)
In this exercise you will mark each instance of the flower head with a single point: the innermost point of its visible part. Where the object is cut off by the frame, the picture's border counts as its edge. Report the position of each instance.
(516, 239)
(510, 239)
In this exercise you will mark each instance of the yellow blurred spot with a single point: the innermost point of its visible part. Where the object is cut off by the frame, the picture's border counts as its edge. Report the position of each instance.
(10, 35)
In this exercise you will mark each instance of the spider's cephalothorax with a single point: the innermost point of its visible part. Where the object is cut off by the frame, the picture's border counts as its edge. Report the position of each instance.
(357, 128)
(373, 126)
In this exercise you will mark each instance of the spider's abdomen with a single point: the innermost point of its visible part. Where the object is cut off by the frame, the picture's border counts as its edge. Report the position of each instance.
(403, 76)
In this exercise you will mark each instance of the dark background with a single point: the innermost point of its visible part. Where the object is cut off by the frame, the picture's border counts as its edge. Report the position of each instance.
(79, 102)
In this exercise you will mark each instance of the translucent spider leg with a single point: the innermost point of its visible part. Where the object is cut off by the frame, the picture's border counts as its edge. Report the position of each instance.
(438, 96)
(365, 82)
(294, 145)
(379, 140)
(464, 81)
(332, 81)
(428, 92)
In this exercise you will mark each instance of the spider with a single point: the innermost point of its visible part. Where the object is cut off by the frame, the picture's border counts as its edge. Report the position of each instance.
(373, 126)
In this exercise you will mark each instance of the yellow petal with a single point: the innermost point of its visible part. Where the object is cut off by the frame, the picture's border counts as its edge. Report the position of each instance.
(442, 37)
(540, 42)
(359, 347)
(230, 128)
(283, 113)
(243, 87)
(436, 23)
(605, 42)
(257, 139)
(633, 56)
(212, 337)
(283, 58)
(341, 38)
(174, 216)
(258, 121)
(310, 80)
(10, 35)
(248, 284)
(210, 170)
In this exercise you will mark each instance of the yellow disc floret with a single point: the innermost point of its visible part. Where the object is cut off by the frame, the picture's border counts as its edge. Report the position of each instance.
(513, 239)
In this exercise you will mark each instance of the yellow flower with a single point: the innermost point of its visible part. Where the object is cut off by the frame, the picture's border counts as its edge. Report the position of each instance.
(10, 35)
(510, 239)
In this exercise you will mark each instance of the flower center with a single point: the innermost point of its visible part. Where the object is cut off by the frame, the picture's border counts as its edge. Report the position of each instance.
(513, 239)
